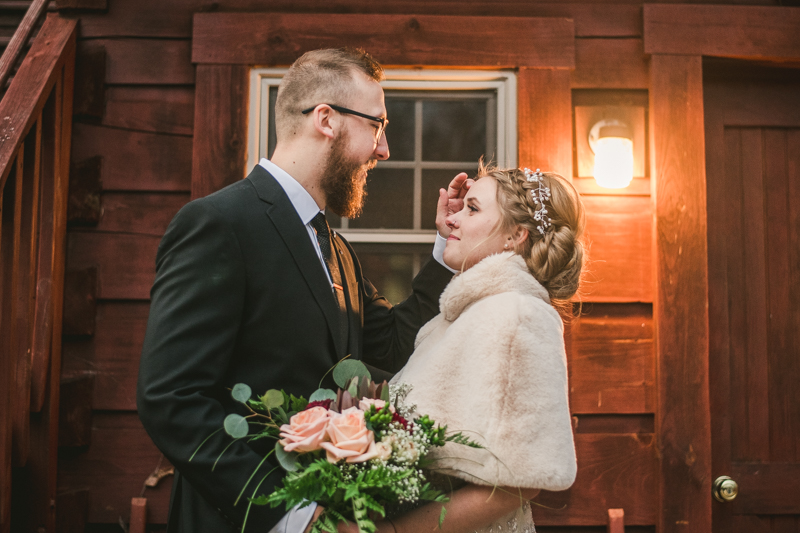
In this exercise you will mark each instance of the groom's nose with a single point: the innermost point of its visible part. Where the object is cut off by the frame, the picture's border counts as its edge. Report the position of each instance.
(382, 148)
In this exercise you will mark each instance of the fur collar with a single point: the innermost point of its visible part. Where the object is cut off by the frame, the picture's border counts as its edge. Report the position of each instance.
(495, 274)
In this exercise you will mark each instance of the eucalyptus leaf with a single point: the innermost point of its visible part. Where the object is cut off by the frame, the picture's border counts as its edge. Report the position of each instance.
(272, 399)
(241, 393)
(236, 426)
(347, 370)
(288, 461)
(321, 395)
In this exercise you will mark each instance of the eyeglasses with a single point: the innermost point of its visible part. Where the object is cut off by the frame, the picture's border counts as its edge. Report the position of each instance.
(384, 122)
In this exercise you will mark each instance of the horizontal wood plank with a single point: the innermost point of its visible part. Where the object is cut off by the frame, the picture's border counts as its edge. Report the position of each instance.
(751, 32)
(619, 234)
(135, 161)
(766, 489)
(133, 61)
(114, 468)
(125, 263)
(431, 40)
(611, 360)
(614, 471)
(610, 64)
(142, 213)
(152, 109)
(112, 354)
(155, 18)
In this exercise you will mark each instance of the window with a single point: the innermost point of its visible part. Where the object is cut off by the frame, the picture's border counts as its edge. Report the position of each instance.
(442, 122)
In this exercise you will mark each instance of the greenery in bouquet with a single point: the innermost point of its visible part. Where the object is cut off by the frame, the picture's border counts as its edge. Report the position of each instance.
(352, 451)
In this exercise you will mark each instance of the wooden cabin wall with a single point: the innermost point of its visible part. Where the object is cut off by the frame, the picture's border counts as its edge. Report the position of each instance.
(132, 169)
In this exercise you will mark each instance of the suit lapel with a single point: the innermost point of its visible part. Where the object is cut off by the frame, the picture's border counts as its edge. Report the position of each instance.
(294, 234)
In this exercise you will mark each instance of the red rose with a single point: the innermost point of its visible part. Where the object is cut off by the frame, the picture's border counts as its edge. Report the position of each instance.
(320, 403)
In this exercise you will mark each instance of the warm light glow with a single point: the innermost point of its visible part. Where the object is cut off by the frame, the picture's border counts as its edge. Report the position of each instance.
(613, 162)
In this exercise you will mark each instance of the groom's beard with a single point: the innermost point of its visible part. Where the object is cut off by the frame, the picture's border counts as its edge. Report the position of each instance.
(344, 180)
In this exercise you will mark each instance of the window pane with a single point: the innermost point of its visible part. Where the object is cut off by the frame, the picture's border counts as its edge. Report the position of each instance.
(391, 267)
(400, 133)
(432, 181)
(390, 200)
(453, 130)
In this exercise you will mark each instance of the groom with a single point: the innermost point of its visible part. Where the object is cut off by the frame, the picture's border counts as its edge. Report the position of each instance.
(253, 287)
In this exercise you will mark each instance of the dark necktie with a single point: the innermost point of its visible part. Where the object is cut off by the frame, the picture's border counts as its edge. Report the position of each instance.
(320, 225)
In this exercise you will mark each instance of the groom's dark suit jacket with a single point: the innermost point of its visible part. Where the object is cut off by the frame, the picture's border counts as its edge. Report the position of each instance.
(241, 296)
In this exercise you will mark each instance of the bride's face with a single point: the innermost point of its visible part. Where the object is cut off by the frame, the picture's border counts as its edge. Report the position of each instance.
(475, 232)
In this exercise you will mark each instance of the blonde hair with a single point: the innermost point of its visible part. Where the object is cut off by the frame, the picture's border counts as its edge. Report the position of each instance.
(556, 257)
(320, 77)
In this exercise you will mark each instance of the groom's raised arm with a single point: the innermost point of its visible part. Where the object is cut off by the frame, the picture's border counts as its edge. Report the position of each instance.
(195, 313)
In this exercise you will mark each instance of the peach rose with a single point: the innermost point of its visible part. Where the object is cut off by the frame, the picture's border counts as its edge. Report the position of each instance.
(349, 437)
(364, 404)
(305, 430)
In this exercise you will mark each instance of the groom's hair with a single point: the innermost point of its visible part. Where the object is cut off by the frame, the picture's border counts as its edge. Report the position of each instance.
(320, 77)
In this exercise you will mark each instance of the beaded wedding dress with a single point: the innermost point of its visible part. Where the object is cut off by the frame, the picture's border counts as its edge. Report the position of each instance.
(519, 521)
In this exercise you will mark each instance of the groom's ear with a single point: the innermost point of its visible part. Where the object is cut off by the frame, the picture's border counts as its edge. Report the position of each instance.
(326, 121)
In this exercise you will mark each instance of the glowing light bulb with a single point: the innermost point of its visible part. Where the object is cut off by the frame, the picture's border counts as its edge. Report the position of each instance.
(613, 154)
(613, 162)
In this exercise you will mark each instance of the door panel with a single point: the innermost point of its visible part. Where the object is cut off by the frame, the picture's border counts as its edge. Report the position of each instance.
(753, 170)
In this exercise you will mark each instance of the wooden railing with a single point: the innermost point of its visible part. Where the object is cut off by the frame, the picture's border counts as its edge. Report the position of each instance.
(35, 126)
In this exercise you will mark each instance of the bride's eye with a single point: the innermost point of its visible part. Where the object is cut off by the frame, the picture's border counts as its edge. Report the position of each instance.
(473, 208)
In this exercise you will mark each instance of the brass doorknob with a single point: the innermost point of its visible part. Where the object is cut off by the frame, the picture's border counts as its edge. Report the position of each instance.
(725, 489)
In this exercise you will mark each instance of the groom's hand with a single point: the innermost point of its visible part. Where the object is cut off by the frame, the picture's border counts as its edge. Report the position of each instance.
(451, 201)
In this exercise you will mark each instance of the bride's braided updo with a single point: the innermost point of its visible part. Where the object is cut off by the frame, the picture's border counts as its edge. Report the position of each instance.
(555, 258)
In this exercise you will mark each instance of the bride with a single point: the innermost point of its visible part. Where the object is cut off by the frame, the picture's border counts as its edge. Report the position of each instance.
(492, 364)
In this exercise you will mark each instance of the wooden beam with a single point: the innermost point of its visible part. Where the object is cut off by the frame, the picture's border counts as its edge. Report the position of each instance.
(610, 64)
(220, 127)
(680, 311)
(544, 112)
(747, 32)
(431, 40)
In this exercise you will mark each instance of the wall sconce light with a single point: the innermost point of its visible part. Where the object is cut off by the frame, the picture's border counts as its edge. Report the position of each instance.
(611, 141)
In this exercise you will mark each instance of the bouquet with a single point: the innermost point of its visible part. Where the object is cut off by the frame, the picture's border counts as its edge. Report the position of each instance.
(352, 451)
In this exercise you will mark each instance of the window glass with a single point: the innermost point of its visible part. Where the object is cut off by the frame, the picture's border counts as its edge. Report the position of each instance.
(390, 200)
(391, 267)
(400, 133)
(454, 130)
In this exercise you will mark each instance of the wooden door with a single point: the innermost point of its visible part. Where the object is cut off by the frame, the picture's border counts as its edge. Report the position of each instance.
(753, 172)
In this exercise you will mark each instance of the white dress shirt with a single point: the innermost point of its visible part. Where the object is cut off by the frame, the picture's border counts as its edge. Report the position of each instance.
(296, 520)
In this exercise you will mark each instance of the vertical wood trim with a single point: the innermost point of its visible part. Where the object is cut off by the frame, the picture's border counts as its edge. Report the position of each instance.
(545, 120)
(19, 433)
(43, 317)
(220, 127)
(64, 96)
(7, 343)
(681, 304)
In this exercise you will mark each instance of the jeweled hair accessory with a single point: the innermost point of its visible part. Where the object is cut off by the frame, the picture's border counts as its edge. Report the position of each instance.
(540, 194)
